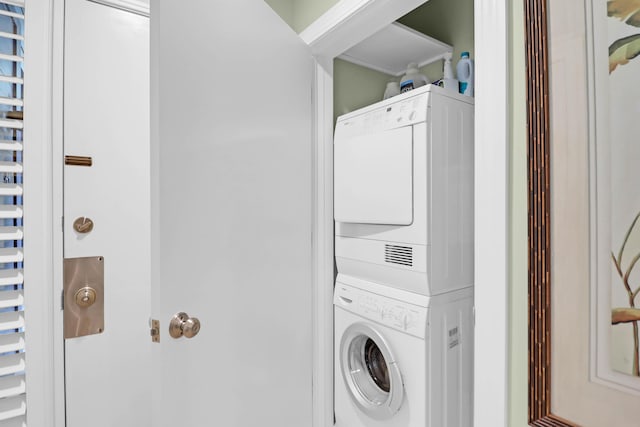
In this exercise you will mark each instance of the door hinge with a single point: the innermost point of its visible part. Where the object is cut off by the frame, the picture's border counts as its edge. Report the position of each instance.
(62, 300)
(155, 330)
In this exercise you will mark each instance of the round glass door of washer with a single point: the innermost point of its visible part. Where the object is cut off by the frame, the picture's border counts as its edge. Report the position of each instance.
(370, 371)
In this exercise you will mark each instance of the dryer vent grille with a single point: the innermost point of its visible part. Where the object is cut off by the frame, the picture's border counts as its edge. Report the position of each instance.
(402, 255)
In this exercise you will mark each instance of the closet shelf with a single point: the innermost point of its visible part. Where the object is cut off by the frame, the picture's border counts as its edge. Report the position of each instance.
(392, 48)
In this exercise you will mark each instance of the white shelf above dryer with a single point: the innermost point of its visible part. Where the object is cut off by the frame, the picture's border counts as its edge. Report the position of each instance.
(392, 48)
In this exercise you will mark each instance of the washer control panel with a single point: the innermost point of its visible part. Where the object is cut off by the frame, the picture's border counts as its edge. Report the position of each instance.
(391, 312)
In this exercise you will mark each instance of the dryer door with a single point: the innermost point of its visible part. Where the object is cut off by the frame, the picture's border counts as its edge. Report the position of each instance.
(374, 178)
(370, 371)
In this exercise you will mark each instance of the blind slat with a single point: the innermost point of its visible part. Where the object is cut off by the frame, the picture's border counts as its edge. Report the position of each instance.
(10, 190)
(11, 320)
(11, 342)
(11, 277)
(11, 14)
(12, 36)
(12, 407)
(11, 124)
(12, 385)
(15, 102)
(11, 79)
(11, 255)
(11, 233)
(12, 58)
(10, 145)
(11, 299)
(12, 364)
(10, 167)
(19, 3)
(15, 422)
(10, 211)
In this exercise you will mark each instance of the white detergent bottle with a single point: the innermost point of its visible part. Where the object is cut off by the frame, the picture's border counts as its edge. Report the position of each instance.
(465, 74)
(449, 82)
(392, 89)
(412, 79)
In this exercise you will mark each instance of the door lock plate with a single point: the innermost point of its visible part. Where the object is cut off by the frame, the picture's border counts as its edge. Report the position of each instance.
(155, 330)
(83, 296)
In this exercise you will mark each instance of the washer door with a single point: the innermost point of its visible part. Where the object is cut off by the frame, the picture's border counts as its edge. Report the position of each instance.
(370, 372)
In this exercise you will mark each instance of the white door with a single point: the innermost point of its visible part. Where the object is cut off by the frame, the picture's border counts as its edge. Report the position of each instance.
(231, 214)
(106, 117)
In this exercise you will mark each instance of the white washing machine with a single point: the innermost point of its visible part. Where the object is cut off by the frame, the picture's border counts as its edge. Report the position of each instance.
(402, 359)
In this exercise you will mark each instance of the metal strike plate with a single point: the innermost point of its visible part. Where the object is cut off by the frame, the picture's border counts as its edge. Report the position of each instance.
(155, 330)
(83, 296)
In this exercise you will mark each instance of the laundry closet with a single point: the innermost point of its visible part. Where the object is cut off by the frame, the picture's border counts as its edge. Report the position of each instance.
(404, 235)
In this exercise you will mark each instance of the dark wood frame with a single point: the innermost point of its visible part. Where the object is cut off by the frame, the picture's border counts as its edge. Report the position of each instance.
(537, 60)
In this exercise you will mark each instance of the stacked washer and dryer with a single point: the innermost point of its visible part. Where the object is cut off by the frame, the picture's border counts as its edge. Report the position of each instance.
(403, 299)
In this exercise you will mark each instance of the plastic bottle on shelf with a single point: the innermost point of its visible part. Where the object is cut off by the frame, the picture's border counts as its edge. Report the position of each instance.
(412, 79)
(449, 82)
(392, 89)
(465, 74)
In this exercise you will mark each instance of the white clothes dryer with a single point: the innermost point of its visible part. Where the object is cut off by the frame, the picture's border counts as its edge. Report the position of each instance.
(402, 359)
(403, 191)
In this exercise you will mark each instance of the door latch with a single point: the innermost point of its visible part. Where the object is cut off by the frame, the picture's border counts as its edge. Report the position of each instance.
(155, 330)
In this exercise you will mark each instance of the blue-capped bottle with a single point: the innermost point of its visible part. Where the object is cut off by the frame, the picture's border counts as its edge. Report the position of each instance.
(465, 74)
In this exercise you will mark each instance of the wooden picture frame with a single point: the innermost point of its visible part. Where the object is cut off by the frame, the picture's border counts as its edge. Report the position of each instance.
(570, 320)
(538, 133)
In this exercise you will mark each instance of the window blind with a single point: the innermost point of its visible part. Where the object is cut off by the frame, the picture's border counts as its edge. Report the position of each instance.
(13, 411)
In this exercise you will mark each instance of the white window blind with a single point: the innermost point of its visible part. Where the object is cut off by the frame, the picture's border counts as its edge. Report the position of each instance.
(13, 409)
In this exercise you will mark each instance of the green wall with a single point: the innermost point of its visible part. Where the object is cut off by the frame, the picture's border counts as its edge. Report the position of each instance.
(307, 11)
(284, 8)
(355, 87)
(299, 14)
(518, 260)
(450, 21)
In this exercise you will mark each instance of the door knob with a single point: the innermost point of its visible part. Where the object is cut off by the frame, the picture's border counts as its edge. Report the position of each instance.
(183, 325)
(83, 225)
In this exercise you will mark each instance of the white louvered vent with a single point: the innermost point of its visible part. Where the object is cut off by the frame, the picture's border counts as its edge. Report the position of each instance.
(395, 254)
(12, 306)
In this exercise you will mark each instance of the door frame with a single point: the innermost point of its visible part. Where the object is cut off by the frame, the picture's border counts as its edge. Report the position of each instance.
(344, 25)
(43, 319)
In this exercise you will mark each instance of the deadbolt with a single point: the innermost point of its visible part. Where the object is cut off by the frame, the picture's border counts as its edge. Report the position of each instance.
(183, 325)
(85, 297)
(83, 225)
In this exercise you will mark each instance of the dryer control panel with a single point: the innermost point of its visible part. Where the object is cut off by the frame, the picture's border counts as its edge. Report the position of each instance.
(386, 115)
(394, 313)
